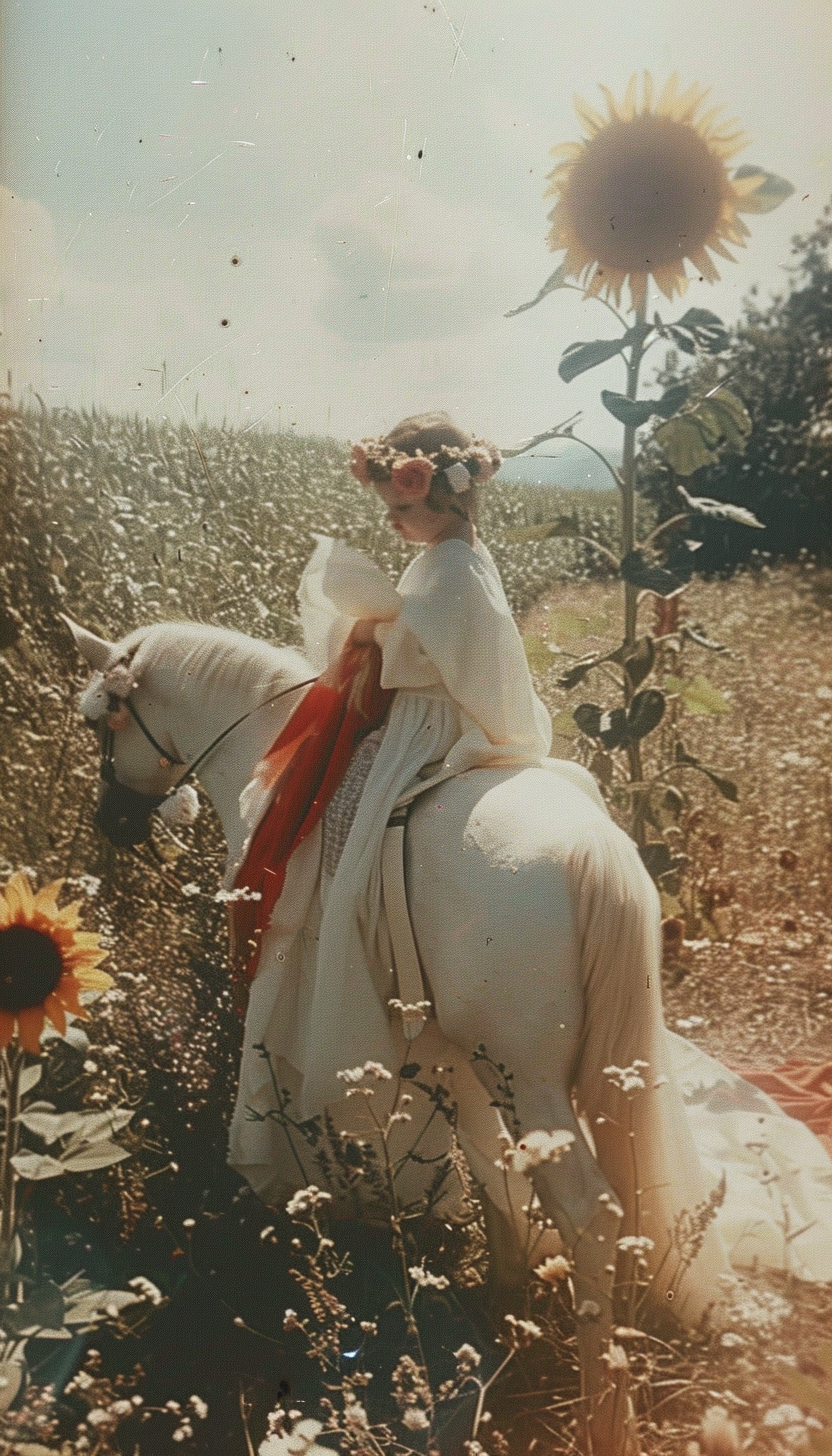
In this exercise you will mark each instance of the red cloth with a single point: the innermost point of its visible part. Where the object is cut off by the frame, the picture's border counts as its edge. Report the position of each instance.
(802, 1089)
(305, 764)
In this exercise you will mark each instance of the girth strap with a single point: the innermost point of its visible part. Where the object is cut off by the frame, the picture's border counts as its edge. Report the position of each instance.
(412, 1003)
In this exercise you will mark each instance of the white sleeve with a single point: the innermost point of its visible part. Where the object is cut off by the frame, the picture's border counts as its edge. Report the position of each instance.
(338, 587)
(455, 608)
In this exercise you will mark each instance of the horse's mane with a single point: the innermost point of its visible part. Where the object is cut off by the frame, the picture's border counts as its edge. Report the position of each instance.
(217, 658)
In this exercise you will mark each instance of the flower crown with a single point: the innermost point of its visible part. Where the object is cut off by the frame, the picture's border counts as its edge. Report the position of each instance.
(375, 460)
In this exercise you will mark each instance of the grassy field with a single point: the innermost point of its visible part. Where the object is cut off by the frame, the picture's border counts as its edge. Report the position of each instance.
(119, 523)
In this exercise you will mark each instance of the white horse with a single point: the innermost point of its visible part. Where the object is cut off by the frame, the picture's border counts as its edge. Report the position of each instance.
(538, 930)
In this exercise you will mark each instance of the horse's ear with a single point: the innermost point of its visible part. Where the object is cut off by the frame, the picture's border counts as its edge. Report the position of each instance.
(98, 653)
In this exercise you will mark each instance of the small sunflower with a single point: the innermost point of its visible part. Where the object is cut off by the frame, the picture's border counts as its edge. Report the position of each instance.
(45, 962)
(648, 188)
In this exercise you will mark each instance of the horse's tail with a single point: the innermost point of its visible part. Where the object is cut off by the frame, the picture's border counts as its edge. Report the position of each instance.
(642, 1135)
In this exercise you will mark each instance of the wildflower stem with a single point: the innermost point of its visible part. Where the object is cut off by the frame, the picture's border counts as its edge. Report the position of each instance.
(12, 1066)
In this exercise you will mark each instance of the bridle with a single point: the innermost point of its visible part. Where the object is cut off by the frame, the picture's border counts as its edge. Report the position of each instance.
(123, 814)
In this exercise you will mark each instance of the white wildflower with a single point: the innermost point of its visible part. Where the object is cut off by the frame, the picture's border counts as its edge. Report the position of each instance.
(554, 1270)
(522, 1331)
(415, 1418)
(306, 1199)
(639, 1245)
(198, 1406)
(423, 1279)
(467, 1359)
(535, 1148)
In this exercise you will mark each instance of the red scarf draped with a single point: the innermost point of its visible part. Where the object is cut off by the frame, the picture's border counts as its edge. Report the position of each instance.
(304, 765)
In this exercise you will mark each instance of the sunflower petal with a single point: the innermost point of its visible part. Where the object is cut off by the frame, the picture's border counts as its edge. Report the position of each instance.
(46, 899)
(628, 105)
(689, 102)
(667, 100)
(92, 980)
(55, 1012)
(67, 991)
(19, 899)
(612, 104)
(7, 1021)
(647, 94)
(700, 260)
(671, 279)
(570, 150)
(29, 1028)
(590, 119)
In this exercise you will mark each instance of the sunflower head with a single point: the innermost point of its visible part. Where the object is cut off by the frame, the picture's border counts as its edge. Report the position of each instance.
(45, 962)
(648, 188)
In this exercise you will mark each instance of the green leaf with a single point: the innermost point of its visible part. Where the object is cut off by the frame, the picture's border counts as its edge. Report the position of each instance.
(640, 661)
(410, 1070)
(579, 357)
(698, 695)
(699, 328)
(91, 1306)
(641, 573)
(588, 718)
(771, 192)
(719, 510)
(656, 858)
(671, 401)
(98, 1155)
(43, 1308)
(613, 729)
(37, 1166)
(684, 444)
(578, 671)
(11, 1379)
(637, 412)
(555, 280)
(29, 1078)
(634, 412)
(644, 713)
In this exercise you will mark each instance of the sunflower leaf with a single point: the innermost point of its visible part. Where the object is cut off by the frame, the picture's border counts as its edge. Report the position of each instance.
(633, 412)
(644, 713)
(556, 280)
(771, 192)
(43, 1307)
(641, 573)
(11, 1379)
(683, 442)
(579, 357)
(98, 1155)
(37, 1166)
(699, 328)
(719, 510)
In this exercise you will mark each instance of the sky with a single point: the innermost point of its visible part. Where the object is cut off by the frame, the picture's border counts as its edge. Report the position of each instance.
(315, 214)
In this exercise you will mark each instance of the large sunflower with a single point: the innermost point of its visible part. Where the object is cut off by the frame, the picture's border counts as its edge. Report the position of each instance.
(45, 962)
(646, 189)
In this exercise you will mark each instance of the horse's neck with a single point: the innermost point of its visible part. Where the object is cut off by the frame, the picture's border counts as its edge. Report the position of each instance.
(207, 711)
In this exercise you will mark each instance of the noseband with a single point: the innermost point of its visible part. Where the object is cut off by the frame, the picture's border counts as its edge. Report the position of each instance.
(123, 814)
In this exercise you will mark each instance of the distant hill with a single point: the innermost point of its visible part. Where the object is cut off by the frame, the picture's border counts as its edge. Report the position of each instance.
(574, 468)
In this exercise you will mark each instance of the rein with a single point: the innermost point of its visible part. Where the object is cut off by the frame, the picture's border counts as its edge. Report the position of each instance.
(108, 771)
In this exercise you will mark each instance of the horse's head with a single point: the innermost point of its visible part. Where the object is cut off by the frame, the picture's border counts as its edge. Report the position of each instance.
(125, 701)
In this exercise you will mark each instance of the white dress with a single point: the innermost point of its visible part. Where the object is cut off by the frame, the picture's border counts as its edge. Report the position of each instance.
(464, 699)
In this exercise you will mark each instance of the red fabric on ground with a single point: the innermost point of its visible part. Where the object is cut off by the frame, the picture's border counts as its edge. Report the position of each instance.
(305, 764)
(802, 1089)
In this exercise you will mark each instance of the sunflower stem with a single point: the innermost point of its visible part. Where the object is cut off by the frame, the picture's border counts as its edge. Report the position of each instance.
(12, 1066)
(628, 543)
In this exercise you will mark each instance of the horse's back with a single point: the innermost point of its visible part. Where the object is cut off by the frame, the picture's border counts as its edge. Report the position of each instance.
(490, 884)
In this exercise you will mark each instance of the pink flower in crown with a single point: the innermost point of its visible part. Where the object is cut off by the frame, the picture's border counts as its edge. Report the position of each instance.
(488, 459)
(412, 476)
(359, 464)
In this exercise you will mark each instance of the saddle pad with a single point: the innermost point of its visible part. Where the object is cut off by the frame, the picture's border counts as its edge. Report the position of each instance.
(343, 806)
